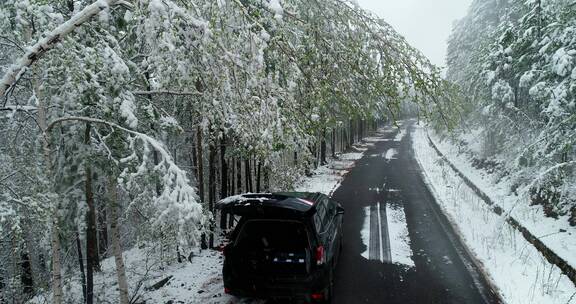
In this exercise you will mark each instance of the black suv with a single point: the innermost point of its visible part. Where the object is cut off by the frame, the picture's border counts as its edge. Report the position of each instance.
(284, 246)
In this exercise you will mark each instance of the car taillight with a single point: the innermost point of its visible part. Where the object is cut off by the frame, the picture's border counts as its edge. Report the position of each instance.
(224, 249)
(320, 255)
(317, 296)
(221, 248)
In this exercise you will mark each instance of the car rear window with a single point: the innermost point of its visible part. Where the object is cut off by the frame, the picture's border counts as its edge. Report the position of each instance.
(273, 234)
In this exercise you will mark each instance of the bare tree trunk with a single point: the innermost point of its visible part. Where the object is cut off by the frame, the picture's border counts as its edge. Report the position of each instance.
(92, 263)
(223, 180)
(351, 133)
(239, 174)
(211, 188)
(224, 169)
(248, 174)
(115, 238)
(26, 274)
(233, 177)
(200, 162)
(333, 143)
(266, 178)
(56, 264)
(81, 265)
(323, 147)
(54, 234)
(539, 17)
(258, 176)
(36, 274)
(211, 177)
(102, 231)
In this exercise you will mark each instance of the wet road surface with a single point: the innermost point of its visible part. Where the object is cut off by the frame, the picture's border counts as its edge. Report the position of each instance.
(388, 178)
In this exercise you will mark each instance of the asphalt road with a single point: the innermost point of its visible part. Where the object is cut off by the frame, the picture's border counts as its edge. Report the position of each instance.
(442, 271)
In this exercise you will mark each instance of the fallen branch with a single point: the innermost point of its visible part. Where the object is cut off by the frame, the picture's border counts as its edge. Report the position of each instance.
(165, 92)
(19, 108)
(159, 284)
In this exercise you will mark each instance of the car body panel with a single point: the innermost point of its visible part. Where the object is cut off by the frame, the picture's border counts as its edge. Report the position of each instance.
(319, 216)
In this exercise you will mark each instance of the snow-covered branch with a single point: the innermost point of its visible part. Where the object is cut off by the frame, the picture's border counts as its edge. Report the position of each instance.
(45, 44)
(178, 201)
(545, 173)
(19, 108)
(167, 92)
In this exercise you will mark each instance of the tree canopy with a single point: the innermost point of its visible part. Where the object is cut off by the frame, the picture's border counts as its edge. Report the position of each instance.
(122, 92)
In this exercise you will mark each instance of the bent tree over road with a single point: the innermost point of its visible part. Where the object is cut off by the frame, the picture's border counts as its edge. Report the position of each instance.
(123, 122)
(172, 105)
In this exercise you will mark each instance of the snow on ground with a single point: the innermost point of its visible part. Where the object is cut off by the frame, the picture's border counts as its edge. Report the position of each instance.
(401, 134)
(376, 139)
(399, 238)
(199, 281)
(196, 282)
(390, 154)
(556, 234)
(400, 250)
(365, 233)
(326, 179)
(520, 273)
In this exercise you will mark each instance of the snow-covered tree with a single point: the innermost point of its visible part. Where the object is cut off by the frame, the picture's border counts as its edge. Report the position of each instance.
(138, 115)
(521, 72)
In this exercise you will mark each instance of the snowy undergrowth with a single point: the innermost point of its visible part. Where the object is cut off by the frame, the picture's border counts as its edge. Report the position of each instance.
(195, 282)
(198, 281)
(519, 272)
(556, 234)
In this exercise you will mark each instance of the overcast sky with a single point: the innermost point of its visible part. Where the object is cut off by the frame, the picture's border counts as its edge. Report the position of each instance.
(426, 24)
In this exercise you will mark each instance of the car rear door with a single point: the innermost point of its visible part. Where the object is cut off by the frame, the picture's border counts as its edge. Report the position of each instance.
(272, 249)
(327, 225)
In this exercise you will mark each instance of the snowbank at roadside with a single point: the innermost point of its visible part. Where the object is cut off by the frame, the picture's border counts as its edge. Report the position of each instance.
(556, 234)
(521, 274)
(326, 179)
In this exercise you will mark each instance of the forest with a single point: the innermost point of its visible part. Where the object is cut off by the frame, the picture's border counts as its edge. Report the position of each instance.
(514, 60)
(124, 121)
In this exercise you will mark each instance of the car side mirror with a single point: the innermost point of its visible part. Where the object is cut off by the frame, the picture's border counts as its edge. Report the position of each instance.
(339, 210)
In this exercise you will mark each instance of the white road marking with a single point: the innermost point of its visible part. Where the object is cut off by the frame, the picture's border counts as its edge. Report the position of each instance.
(399, 237)
(400, 251)
(365, 233)
(381, 234)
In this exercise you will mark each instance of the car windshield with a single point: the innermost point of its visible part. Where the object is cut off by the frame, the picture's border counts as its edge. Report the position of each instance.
(273, 234)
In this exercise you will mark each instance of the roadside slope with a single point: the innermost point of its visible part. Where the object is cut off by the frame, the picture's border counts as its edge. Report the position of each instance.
(520, 272)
